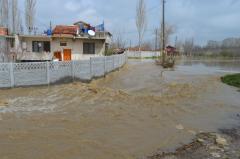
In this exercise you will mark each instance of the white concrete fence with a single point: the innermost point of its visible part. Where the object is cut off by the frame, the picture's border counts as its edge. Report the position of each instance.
(143, 54)
(44, 73)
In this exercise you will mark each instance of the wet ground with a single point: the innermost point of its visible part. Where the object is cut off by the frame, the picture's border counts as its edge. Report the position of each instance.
(223, 145)
(129, 114)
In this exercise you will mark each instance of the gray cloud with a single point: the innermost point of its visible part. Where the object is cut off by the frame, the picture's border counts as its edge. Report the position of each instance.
(203, 19)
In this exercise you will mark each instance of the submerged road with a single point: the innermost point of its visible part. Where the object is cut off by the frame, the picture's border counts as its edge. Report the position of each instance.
(129, 114)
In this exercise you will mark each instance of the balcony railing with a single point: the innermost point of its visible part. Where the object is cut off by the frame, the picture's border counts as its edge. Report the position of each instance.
(35, 56)
(98, 35)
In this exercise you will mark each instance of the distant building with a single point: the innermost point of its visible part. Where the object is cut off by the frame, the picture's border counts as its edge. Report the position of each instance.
(6, 43)
(171, 51)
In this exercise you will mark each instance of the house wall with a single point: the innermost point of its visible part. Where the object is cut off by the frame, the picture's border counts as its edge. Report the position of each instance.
(143, 54)
(6, 55)
(75, 45)
(2, 49)
(29, 41)
(23, 47)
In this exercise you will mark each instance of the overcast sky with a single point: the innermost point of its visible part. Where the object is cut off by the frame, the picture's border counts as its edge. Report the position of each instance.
(201, 19)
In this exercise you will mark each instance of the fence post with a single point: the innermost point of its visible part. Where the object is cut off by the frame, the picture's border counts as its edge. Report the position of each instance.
(72, 70)
(91, 74)
(12, 80)
(48, 73)
(126, 58)
(118, 57)
(105, 71)
(113, 62)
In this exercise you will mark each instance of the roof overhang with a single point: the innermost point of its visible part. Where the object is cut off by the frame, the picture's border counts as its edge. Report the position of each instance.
(62, 36)
(7, 36)
(35, 36)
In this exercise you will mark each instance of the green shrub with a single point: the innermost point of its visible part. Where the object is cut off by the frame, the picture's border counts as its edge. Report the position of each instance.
(232, 80)
(226, 54)
(109, 52)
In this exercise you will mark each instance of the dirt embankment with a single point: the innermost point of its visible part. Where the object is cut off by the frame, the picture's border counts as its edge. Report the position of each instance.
(222, 145)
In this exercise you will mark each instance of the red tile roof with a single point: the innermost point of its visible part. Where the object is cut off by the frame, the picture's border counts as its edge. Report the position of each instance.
(3, 31)
(64, 29)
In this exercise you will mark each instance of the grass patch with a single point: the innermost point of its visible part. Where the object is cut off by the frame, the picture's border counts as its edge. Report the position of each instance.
(232, 80)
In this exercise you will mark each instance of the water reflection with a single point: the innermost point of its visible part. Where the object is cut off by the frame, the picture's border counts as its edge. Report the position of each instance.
(232, 66)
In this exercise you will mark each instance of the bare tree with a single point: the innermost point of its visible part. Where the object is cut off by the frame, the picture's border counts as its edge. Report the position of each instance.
(141, 21)
(118, 40)
(169, 30)
(30, 11)
(4, 13)
(4, 22)
(19, 25)
(15, 12)
(188, 46)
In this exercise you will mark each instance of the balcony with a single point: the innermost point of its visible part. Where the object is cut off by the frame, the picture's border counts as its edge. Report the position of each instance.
(34, 56)
(99, 35)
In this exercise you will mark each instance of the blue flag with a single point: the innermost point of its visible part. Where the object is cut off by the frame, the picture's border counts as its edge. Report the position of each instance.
(100, 27)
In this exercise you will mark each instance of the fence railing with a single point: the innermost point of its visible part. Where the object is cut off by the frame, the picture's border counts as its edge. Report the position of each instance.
(43, 73)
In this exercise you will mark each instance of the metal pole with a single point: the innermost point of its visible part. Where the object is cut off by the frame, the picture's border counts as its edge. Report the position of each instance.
(163, 31)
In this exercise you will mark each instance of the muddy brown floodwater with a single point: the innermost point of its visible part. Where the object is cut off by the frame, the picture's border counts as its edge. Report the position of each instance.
(129, 114)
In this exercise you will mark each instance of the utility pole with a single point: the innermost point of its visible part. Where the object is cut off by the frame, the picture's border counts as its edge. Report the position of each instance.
(163, 31)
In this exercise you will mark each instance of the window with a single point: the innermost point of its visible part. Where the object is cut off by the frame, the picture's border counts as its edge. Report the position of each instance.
(41, 46)
(88, 48)
(63, 43)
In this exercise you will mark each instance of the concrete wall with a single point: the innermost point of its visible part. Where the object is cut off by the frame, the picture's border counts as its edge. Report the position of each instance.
(143, 54)
(43, 73)
(29, 41)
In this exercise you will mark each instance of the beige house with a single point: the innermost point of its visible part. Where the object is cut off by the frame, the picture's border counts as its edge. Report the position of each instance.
(61, 47)
(63, 43)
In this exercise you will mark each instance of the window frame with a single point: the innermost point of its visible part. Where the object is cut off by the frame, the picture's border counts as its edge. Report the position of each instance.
(45, 46)
(63, 43)
(89, 48)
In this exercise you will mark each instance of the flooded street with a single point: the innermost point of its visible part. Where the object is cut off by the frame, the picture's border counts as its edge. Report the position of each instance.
(129, 114)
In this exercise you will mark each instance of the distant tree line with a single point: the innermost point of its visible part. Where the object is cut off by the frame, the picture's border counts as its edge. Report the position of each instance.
(229, 47)
(11, 16)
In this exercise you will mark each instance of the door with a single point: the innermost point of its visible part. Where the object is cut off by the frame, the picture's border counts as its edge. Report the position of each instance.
(67, 54)
(58, 55)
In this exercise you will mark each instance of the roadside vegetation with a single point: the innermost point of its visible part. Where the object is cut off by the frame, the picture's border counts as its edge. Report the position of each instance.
(109, 52)
(232, 80)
